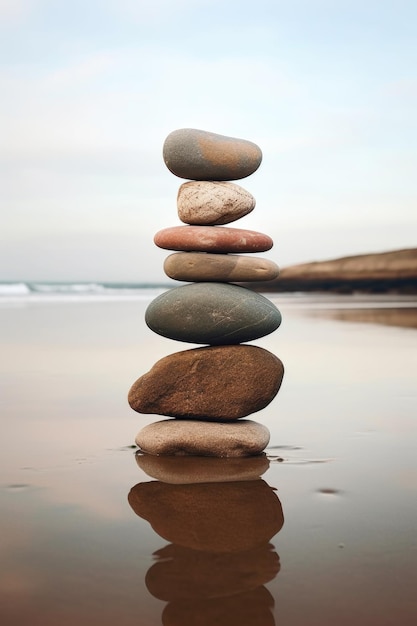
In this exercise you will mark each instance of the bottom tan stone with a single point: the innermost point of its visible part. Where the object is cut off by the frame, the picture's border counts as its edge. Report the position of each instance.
(174, 437)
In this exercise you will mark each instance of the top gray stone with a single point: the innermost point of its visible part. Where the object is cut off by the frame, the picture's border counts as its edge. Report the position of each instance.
(201, 155)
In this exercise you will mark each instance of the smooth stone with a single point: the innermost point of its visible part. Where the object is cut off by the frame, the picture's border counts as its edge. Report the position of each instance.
(182, 573)
(211, 517)
(212, 313)
(209, 203)
(249, 608)
(212, 239)
(176, 437)
(197, 438)
(185, 470)
(213, 383)
(201, 155)
(204, 266)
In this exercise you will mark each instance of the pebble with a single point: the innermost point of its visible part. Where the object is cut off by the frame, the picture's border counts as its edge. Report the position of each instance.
(212, 383)
(198, 438)
(204, 266)
(212, 239)
(212, 313)
(211, 517)
(209, 389)
(211, 203)
(185, 470)
(201, 155)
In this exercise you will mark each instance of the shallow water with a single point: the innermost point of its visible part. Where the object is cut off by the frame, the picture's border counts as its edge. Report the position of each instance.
(320, 531)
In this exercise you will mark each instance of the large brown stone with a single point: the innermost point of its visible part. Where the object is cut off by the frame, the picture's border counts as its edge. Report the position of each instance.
(212, 239)
(212, 517)
(203, 266)
(201, 155)
(211, 383)
(172, 437)
(208, 202)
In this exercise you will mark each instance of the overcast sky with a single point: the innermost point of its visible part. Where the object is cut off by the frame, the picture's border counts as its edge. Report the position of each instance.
(91, 88)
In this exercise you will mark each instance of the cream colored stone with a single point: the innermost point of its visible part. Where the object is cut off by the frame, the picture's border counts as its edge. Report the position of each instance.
(175, 437)
(210, 203)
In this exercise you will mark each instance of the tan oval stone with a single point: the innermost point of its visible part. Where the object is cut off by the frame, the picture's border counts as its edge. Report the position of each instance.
(196, 438)
(212, 517)
(211, 383)
(204, 266)
(209, 203)
(185, 470)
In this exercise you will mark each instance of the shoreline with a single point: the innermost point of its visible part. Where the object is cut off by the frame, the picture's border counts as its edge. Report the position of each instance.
(399, 286)
(385, 272)
(341, 461)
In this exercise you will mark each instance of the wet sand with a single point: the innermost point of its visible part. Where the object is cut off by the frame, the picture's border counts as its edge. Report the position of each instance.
(319, 531)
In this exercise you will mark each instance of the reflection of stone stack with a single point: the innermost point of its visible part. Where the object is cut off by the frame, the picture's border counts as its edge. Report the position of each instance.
(209, 388)
(219, 557)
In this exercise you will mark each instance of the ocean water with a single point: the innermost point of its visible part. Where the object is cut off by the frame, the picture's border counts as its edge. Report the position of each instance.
(72, 291)
(324, 532)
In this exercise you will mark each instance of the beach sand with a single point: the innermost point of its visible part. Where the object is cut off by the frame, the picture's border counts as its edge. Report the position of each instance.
(340, 470)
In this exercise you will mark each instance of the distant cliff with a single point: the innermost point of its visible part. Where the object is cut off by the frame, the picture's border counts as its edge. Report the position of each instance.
(372, 273)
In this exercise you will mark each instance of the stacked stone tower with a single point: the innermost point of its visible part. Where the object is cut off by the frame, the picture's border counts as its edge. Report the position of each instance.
(209, 389)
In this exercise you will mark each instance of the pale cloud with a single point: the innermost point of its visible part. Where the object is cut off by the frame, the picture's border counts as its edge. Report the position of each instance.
(75, 74)
(13, 11)
(157, 10)
(76, 108)
(403, 89)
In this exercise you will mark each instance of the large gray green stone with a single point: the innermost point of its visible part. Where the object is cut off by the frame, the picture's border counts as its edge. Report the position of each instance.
(212, 313)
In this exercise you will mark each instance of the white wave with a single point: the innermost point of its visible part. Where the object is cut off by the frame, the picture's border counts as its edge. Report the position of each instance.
(67, 288)
(14, 289)
(28, 293)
